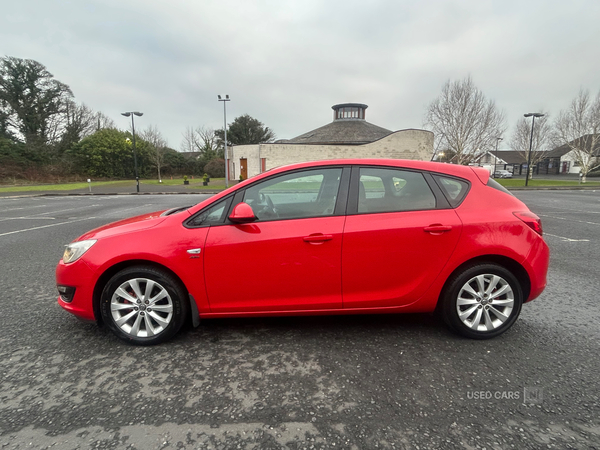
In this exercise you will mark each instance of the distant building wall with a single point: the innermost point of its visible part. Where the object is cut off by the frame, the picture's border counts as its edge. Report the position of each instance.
(404, 144)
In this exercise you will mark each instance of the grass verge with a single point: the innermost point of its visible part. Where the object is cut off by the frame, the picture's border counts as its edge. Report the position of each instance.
(214, 184)
(219, 184)
(519, 182)
(64, 186)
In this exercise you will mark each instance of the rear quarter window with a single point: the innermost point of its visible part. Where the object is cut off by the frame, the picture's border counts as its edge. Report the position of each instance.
(494, 184)
(454, 189)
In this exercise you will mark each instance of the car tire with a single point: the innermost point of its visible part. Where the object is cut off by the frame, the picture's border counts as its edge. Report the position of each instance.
(482, 301)
(143, 305)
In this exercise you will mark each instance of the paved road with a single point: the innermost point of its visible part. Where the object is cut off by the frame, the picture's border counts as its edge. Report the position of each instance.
(356, 382)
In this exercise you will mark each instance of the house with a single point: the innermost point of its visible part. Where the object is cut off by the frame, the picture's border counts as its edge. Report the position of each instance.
(349, 135)
(511, 160)
(556, 161)
(563, 159)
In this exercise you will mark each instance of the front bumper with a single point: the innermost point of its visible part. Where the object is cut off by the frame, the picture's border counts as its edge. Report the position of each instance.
(79, 276)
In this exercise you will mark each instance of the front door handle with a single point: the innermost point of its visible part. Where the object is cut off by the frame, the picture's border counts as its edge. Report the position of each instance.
(318, 238)
(437, 228)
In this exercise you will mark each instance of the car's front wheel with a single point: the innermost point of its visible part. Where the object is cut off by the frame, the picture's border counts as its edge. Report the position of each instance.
(483, 301)
(143, 305)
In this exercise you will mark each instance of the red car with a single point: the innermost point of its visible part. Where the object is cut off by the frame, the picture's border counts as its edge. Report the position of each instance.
(327, 237)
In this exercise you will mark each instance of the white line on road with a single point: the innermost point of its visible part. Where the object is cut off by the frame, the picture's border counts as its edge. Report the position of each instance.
(23, 207)
(570, 220)
(28, 218)
(567, 210)
(33, 216)
(566, 238)
(77, 220)
(45, 226)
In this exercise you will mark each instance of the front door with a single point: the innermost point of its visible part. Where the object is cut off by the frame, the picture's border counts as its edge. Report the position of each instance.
(289, 258)
(244, 168)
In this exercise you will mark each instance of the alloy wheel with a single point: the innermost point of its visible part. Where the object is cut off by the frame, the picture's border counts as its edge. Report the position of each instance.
(485, 302)
(141, 307)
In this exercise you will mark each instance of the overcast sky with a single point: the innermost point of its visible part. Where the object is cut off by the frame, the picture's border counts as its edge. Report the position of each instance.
(287, 62)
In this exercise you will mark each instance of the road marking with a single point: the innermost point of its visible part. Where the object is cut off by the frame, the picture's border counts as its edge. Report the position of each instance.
(76, 220)
(23, 207)
(68, 209)
(33, 216)
(28, 218)
(46, 226)
(566, 238)
(570, 220)
(563, 209)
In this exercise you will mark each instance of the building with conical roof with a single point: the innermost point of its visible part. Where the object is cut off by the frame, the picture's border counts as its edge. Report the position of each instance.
(348, 136)
(349, 127)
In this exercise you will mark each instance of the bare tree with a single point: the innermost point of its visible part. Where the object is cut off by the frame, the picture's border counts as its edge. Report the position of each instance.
(464, 121)
(103, 121)
(188, 143)
(77, 122)
(208, 140)
(158, 146)
(578, 127)
(542, 138)
(80, 120)
(200, 139)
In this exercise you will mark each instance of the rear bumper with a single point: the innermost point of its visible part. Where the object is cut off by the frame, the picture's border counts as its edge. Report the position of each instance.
(538, 261)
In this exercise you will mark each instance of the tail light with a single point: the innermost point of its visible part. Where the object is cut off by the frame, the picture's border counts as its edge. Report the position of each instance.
(531, 220)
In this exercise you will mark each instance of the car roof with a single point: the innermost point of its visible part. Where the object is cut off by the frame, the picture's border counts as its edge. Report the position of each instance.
(471, 173)
(445, 168)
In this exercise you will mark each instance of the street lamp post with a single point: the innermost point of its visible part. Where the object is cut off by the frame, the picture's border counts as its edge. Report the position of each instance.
(498, 139)
(139, 114)
(534, 115)
(224, 100)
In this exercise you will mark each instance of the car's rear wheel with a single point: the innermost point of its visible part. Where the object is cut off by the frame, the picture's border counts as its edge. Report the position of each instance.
(483, 301)
(143, 305)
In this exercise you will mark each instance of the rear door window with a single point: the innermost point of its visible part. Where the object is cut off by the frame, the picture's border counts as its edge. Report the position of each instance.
(390, 190)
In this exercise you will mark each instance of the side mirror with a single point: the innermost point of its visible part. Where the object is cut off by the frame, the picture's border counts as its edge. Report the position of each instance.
(242, 213)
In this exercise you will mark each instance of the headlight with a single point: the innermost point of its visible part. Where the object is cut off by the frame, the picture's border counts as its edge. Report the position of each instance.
(75, 250)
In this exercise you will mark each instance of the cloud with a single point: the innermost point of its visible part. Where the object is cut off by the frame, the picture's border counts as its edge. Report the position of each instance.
(286, 62)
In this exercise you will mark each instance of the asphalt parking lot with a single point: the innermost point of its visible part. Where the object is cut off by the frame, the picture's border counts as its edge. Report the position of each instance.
(352, 382)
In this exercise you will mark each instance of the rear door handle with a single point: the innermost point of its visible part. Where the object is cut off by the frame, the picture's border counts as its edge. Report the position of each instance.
(318, 238)
(437, 228)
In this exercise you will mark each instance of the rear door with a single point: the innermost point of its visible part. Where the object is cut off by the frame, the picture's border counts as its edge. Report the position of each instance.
(399, 234)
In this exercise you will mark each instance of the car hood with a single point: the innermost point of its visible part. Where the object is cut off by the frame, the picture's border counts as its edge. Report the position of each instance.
(132, 224)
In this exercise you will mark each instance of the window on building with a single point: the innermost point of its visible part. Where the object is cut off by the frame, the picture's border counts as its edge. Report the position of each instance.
(350, 112)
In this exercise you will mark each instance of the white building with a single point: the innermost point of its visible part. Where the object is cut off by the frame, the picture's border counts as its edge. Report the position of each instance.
(348, 136)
